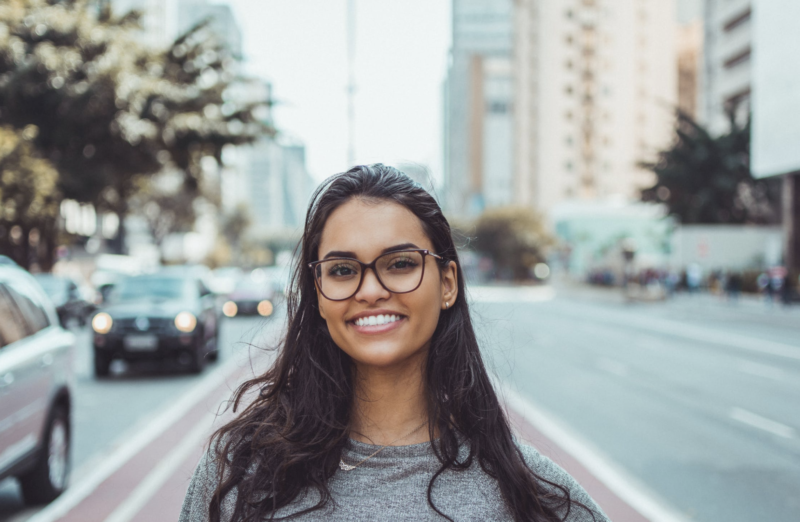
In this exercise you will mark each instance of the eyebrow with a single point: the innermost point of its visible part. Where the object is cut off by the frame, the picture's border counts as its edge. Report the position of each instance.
(341, 253)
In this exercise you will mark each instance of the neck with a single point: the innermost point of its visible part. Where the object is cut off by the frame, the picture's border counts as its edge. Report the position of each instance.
(388, 404)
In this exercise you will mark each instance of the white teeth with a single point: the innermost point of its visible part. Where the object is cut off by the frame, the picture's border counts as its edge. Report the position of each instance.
(375, 320)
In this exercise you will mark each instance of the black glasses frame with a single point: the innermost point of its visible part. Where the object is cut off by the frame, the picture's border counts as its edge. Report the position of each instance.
(365, 266)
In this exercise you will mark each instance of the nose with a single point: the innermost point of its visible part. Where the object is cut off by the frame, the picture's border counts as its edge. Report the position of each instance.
(371, 289)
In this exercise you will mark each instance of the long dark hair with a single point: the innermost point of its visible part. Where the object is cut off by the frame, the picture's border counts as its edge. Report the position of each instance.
(290, 437)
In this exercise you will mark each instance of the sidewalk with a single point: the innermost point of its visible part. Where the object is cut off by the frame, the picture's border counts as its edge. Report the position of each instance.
(146, 479)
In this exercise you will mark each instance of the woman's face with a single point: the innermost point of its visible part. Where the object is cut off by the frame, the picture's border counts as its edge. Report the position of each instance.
(364, 230)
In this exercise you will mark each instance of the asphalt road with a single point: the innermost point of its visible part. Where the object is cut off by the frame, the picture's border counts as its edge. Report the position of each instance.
(109, 412)
(696, 399)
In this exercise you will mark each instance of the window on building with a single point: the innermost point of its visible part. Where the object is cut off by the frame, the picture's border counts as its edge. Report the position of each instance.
(738, 20)
(568, 89)
(497, 107)
(737, 59)
(735, 100)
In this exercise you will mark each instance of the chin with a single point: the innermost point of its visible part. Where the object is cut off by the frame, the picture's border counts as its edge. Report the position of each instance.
(380, 355)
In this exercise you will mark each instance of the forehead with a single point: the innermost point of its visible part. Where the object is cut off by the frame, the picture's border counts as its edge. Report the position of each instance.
(368, 227)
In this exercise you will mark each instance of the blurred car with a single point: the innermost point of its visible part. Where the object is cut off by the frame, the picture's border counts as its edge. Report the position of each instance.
(224, 279)
(161, 316)
(71, 301)
(252, 296)
(35, 388)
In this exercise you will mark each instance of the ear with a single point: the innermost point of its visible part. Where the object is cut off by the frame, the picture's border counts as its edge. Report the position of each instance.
(449, 285)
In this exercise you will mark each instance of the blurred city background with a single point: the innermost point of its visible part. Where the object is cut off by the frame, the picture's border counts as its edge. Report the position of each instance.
(622, 178)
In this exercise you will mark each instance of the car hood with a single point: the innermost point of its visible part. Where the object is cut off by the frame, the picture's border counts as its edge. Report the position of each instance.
(149, 309)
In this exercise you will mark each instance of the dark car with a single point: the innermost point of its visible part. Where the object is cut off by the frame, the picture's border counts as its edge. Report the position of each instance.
(250, 297)
(35, 388)
(67, 297)
(156, 317)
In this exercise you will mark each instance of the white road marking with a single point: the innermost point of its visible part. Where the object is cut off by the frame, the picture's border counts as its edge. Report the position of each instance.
(762, 423)
(623, 485)
(116, 459)
(511, 294)
(148, 487)
(760, 370)
(611, 366)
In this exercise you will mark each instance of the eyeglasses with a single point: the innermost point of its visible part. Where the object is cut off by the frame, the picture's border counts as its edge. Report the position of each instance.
(400, 272)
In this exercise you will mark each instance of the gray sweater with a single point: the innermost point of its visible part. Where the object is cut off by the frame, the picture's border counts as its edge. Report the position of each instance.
(393, 486)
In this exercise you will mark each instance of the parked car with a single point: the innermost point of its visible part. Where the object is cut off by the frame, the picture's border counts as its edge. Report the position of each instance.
(70, 300)
(35, 388)
(162, 316)
(251, 297)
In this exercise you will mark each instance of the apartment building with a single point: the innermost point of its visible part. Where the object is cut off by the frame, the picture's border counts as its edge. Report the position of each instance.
(595, 88)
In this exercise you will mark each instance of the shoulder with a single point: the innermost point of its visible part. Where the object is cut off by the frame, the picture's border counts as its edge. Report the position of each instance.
(201, 489)
(552, 472)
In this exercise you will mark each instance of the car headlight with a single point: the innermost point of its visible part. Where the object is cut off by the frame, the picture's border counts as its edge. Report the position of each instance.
(101, 323)
(230, 309)
(265, 308)
(185, 322)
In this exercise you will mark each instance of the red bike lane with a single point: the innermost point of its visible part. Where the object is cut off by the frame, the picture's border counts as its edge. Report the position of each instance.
(149, 485)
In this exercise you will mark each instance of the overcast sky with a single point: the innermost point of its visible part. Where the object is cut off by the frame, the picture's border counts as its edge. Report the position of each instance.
(402, 46)
(300, 46)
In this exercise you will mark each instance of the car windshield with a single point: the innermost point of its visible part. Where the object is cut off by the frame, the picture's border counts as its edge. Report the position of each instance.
(151, 289)
(247, 285)
(51, 285)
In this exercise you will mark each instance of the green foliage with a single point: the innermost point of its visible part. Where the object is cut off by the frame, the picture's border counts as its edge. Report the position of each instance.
(514, 238)
(112, 112)
(29, 199)
(707, 179)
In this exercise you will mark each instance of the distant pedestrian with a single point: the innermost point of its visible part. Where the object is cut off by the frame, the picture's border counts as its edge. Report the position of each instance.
(694, 277)
(378, 405)
(733, 285)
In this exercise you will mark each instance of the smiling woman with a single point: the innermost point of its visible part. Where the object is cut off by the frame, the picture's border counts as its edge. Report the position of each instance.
(379, 346)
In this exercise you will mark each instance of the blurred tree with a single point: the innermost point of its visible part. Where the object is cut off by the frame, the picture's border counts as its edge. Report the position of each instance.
(164, 204)
(514, 238)
(112, 111)
(29, 200)
(707, 179)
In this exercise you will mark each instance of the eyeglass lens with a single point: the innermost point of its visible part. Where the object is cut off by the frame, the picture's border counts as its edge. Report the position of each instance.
(398, 271)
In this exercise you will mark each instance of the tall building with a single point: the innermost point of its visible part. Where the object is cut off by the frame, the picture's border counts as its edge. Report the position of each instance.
(159, 18)
(220, 18)
(690, 55)
(278, 186)
(268, 177)
(594, 91)
(165, 20)
(726, 78)
(478, 108)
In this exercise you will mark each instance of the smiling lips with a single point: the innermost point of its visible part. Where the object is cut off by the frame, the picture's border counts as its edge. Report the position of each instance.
(377, 323)
(373, 320)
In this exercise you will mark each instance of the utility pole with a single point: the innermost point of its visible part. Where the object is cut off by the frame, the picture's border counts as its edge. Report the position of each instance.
(351, 83)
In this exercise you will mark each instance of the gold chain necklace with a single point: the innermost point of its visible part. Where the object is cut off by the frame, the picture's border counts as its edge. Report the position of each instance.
(347, 467)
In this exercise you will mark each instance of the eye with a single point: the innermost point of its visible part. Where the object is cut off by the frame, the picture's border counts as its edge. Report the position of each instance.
(341, 270)
(402, 263)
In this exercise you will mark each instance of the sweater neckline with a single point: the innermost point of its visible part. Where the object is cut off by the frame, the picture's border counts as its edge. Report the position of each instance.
(363, 449)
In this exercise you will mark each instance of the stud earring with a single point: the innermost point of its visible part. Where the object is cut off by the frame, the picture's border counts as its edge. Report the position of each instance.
(446, 305)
